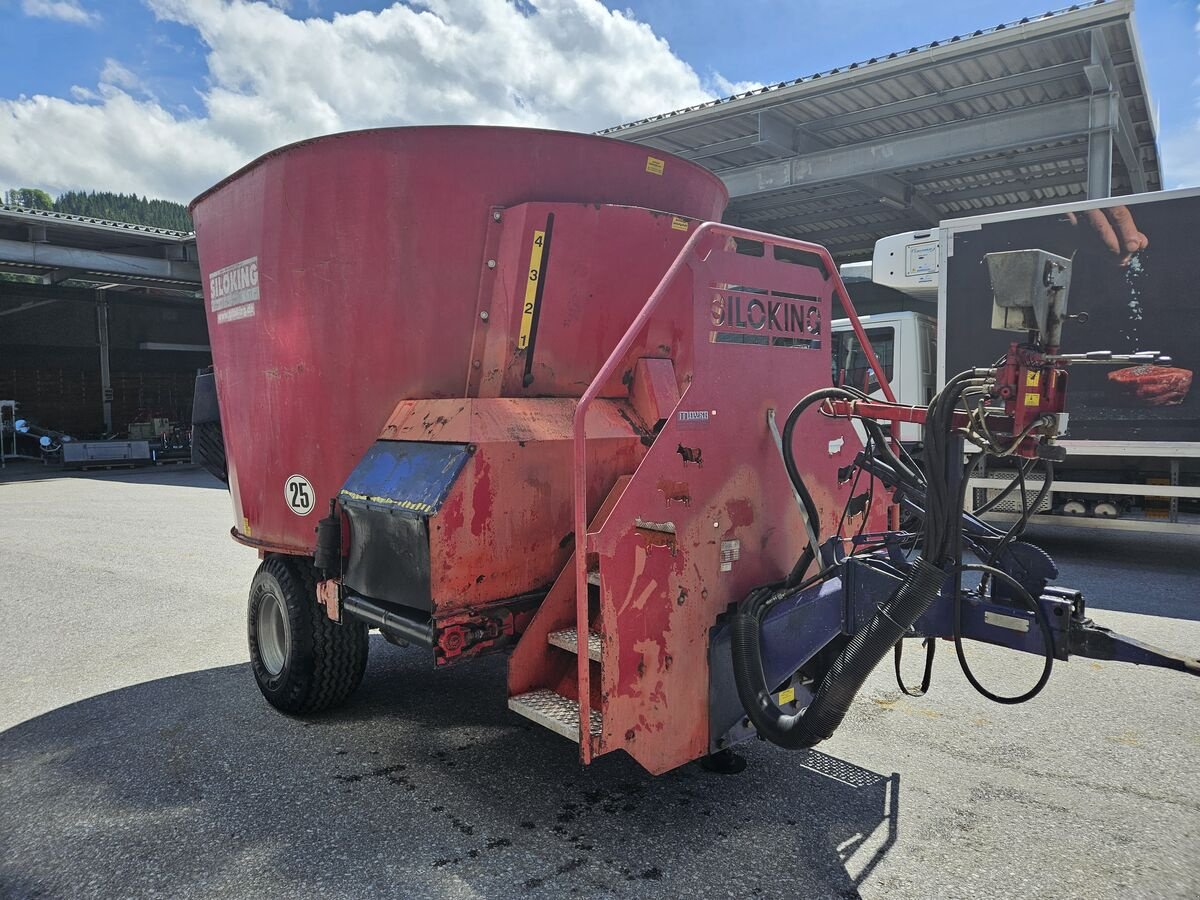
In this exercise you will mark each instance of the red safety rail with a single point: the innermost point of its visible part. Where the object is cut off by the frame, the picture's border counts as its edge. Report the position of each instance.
(702, 234)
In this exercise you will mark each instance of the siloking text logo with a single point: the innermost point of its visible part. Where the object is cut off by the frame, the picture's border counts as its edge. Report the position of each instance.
(766, 319)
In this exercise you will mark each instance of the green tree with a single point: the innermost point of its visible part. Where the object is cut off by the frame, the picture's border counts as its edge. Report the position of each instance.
(30, 198)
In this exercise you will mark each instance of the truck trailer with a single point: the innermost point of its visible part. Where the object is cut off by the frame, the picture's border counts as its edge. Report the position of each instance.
(498, 390)
(1133, 439)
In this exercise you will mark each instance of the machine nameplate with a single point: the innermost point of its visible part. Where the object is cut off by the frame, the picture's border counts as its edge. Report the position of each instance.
(1002, 621)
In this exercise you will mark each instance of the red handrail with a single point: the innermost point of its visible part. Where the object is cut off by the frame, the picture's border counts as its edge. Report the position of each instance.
(615, 358)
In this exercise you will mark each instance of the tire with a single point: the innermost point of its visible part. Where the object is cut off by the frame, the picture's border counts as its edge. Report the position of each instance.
(302, 660)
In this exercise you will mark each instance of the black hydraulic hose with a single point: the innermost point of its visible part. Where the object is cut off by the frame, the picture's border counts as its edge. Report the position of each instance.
(1042, 620)
(1025, 469)
(891, 621)
(1027, 510)
(845, 677)
(789, 431)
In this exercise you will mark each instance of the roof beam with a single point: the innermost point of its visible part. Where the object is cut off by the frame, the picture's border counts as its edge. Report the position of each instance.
(114, 264)
(872, 230)
(1002, 188)
(813, 217)
(783, 138)
(1102, 76)
(730, 146)
(1009, 162)
(960, 140)
(1032, 78)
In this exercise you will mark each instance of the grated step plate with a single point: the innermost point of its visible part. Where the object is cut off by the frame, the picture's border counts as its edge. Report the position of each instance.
(568, 639)
(556, 712)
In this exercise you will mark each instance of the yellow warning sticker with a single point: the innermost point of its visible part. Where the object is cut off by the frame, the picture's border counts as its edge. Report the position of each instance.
(680, 224)
(246, 526)
(654, 165)
(531, 286)
(1033, 399)
(1033, 378)
(787, 695)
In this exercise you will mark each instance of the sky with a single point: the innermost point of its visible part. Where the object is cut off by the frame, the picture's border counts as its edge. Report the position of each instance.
(166, 97)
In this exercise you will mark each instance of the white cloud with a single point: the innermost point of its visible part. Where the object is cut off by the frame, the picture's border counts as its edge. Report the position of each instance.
(273, 78)
(65, 10)
(118, 76)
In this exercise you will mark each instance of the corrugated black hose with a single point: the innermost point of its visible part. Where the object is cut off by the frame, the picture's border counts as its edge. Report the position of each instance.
(864, 651)
(845, 677)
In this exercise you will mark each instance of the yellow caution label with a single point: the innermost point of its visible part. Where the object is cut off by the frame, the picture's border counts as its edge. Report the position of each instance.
(787, 696)
(1033, 399)
(1033, 378)
(680, 224)
(654, 165)
(531, 287)
(246, 526)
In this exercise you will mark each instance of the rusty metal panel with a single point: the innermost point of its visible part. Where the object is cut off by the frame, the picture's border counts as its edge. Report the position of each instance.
(709, 514)
(504, 528)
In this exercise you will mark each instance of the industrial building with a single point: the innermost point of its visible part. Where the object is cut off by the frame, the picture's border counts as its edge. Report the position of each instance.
(1028, 113)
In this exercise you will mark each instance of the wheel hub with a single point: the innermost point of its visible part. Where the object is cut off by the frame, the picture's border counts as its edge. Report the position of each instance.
(274, 633)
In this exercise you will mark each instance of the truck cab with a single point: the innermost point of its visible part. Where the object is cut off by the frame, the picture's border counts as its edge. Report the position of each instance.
(905, 344)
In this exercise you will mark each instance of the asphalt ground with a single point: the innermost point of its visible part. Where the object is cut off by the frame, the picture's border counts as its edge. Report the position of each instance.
(137, 757)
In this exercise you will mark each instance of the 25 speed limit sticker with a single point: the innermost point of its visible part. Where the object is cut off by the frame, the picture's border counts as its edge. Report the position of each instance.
(299, 495)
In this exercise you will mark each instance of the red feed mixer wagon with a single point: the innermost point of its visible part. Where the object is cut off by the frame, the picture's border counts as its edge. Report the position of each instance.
(504, 390)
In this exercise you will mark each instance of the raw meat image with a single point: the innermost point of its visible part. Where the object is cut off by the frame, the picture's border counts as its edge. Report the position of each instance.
(1152, 385)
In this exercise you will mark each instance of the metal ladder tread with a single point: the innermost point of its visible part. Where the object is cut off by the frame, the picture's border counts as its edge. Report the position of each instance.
(568, 639)
(554, 711)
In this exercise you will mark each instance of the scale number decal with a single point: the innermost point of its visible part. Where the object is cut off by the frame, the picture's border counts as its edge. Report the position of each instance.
(531, 289)
(299, 495)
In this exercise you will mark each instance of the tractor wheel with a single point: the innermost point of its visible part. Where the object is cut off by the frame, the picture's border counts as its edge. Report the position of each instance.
(303, 662)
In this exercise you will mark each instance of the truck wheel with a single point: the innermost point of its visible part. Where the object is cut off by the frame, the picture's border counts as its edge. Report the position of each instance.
(303, 662)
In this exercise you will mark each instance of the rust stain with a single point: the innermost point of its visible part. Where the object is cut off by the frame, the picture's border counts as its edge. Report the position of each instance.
(741, 513)
(481, 498)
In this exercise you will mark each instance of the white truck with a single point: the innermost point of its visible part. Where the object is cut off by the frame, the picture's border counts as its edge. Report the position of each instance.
(1133, 445)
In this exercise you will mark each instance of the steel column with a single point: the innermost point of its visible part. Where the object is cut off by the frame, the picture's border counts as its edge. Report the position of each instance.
(1102, 120)
(106, 391)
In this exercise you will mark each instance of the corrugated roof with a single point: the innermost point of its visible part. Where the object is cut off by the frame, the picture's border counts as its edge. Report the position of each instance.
(48, 216)
(995, 119)
(79, 249)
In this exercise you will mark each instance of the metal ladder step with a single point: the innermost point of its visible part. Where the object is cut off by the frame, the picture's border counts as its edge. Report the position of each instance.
(568, 639)
(556, 712)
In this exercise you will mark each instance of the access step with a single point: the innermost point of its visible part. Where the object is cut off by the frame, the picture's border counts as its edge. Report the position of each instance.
(568, 639)
(554, 711)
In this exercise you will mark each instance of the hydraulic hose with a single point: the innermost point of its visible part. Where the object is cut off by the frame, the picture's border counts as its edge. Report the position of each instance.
(845, 677)
(893, 618)
(861, 654)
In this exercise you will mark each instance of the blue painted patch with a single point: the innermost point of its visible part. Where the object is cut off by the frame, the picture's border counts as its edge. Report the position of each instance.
(410, 477)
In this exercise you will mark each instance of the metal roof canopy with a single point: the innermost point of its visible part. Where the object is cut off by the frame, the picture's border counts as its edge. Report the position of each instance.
(79, 259)
(1022, 114)
(56, 248)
